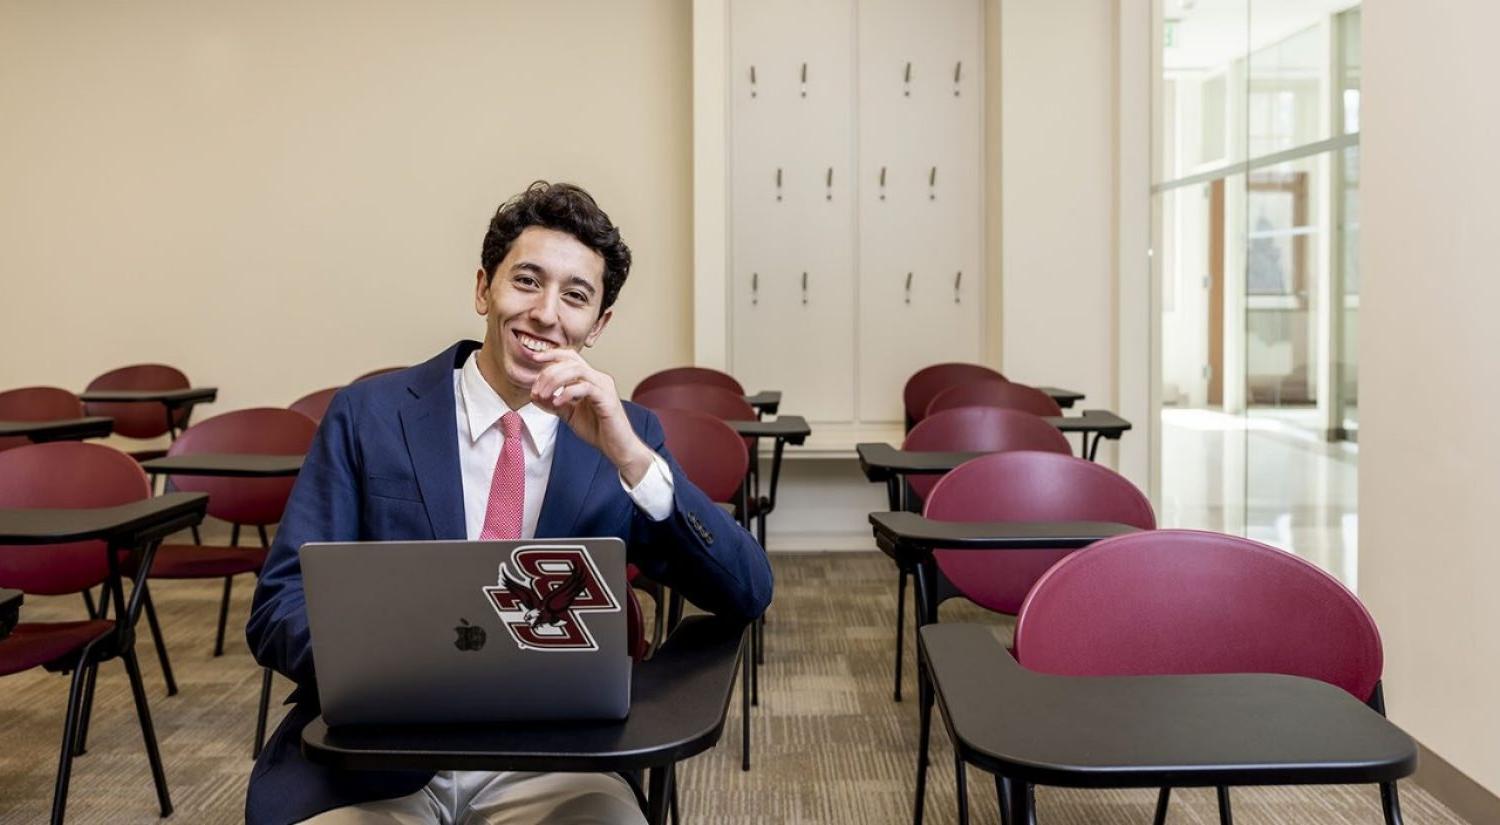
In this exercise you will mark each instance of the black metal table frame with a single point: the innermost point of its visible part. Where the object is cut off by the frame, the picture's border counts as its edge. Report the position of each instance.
(138, 528)
(701, 656)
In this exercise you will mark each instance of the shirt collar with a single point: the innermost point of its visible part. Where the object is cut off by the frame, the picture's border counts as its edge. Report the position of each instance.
(483, 408)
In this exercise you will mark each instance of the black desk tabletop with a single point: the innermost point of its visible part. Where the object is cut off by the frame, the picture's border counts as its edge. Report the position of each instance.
(678, 703)
(880, 461)
(67, 429)
(235, 465)
(916, 533)
(137, 521)
(1103, 422)
(765, 400)
(790, 428)
(1064, 398)
(178, 397)
(1154, 731)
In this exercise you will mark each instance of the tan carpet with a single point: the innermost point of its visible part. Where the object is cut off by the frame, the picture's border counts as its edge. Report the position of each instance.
(829, 744)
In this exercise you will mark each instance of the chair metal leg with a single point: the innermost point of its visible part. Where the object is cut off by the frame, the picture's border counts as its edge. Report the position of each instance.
(70, 736)
(265, 710)
(1226, 816)
(88, 603)
(674, 611)
(672, 800)
(760, 636)
(1163, 797)
(1002, 797)
(659, 794)
(85, 710)
(156, 639)
(925, 700)
(1390, 803)
(754, 666)
(1022, 802)
(746, 665)
(103, 610)
(223, 616)
(961, 789)
(900, 627)
(148, 731)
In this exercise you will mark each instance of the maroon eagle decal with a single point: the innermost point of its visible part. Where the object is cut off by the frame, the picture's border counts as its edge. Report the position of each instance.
(543, 602)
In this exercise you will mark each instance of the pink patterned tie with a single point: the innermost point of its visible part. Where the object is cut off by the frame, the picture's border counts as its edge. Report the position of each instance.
(502, 516)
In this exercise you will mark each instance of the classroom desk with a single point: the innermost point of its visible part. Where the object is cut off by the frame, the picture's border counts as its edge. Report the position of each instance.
(783, 430)
(679, 699)
(126, 526)
(1150, 731)
(67, 429)
(172, 400)
(1064, 398)
(765, 401)
(10, 610)
(225, 465)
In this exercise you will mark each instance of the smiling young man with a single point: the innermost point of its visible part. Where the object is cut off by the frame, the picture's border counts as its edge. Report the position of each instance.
(517, 437)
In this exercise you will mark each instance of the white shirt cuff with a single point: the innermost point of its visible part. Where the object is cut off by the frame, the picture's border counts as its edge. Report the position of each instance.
(654, 493)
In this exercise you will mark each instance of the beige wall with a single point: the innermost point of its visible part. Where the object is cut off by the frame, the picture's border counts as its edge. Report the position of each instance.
(278, 196)
(1429, 374)
(1057, 144)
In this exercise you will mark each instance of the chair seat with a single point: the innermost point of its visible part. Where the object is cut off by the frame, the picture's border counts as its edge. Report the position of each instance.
(37, 643)
(205, 561)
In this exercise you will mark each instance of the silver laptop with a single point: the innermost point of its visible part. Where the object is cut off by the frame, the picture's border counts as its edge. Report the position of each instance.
(468, 631)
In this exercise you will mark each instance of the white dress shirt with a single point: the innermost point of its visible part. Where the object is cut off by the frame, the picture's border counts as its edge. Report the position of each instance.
(480, 439)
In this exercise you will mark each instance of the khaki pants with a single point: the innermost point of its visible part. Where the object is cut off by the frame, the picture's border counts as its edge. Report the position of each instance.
(508, 798)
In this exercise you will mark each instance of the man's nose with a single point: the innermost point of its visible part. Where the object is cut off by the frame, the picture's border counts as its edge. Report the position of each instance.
(544, 308)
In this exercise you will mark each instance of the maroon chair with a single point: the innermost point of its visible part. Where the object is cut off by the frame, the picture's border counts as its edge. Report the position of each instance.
(715, 459)
(929, 381)
(69, 475)
(36, 404)
(1025, 486)
(1175, 602)
(142, 420)
(687, 375)
(1006, 394)
(314, 405)
(242, 502)
(381, 371)
(967, 429)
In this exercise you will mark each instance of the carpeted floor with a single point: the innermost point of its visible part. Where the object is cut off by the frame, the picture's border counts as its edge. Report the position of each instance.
(830, 746)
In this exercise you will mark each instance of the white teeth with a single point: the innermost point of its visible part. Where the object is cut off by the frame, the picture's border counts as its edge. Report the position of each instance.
(534, 344)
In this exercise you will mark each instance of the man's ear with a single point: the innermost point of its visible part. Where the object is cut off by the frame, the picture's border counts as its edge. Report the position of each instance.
(482, 292)
(598, 328)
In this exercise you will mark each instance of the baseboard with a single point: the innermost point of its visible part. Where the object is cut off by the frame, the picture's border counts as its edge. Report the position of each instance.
(1454, 788)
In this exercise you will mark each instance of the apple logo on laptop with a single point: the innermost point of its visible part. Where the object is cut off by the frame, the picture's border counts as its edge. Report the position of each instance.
(470, 637)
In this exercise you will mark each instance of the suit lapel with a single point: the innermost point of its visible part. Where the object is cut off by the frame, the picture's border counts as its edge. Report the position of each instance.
(574, 465)
(429, 425)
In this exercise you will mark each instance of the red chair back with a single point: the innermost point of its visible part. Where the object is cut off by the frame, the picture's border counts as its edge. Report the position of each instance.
(1025, 486)
(1185, 601)
(715, 401)
(140, 420)
(36, 404)
(64, 475)
(315, 404)
(687, 375)
(980, 429)
(929, 381)
(711, 453)
(1005, 394)
(261, 431)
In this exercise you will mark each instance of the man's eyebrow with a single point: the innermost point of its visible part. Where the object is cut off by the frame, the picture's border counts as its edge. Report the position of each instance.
(583, 283)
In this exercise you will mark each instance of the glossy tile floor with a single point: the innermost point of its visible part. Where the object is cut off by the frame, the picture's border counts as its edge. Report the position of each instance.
(1264, 475)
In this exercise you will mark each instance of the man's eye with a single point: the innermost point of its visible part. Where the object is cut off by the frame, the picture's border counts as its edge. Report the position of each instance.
(578, 297)
(526, 280)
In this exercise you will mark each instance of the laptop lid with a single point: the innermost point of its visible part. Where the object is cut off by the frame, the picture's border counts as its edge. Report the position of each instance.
(468, 631)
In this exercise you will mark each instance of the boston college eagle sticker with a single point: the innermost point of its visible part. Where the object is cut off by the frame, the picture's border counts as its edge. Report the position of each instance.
(542, 596)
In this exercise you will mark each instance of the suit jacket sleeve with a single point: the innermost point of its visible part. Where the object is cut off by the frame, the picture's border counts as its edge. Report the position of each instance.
(699, 549)
(324, 506)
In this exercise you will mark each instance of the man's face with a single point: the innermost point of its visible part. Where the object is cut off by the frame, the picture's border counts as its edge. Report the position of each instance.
(545, 294)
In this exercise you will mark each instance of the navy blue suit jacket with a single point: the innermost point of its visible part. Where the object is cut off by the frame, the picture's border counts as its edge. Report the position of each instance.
(383, 467)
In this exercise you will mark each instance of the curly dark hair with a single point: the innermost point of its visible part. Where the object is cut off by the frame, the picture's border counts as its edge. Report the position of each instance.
(565, 208)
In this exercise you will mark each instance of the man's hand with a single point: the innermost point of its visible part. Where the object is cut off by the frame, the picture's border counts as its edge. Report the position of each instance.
(587, 401)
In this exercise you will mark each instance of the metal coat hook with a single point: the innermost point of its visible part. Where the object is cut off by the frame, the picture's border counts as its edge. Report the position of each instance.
(754, 288)
(804, 80)
(958, 73)
(907, 81)
(829, 184)
(932, 184)
(778, 183)
(882, 183)
(957, 283)
(752, 80)
(908, 287)
(804, 289)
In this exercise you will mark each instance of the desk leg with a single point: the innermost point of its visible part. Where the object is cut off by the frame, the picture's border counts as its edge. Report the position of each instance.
(1022, 803)
(925, 696)
(659, 794)
(900, 626)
